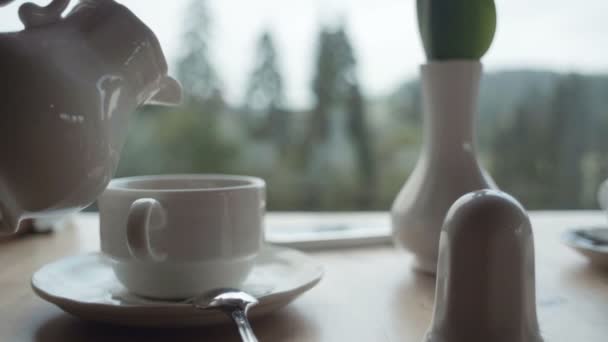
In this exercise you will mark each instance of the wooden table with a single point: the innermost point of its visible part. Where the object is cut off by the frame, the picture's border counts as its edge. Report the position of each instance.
(368, 294)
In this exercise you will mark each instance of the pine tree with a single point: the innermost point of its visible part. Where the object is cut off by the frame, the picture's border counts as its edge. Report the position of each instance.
(539, 156)
(521, 164)
(569, 127)
(360, 134)
(264, 100)
(195, 69)
(188, 138)
(334, 76)
(338, 126)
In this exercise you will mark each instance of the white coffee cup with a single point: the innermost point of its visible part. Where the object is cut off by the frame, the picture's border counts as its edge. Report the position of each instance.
(176, 236)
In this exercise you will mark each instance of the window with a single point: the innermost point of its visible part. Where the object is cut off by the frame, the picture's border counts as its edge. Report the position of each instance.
(321, 99)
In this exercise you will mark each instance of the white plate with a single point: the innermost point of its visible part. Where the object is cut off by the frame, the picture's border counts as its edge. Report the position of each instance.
(595, 249)
(85, 286)
(306, 231)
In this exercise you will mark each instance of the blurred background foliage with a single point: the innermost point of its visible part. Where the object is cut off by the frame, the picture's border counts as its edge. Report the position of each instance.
(542, 135)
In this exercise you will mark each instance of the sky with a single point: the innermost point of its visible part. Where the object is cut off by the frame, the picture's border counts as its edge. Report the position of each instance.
(559, 35)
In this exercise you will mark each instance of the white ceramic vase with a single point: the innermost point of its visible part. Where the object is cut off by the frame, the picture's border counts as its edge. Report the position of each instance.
(447, 167)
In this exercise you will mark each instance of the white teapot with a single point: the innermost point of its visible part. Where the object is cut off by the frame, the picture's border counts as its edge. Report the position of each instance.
(67, 86)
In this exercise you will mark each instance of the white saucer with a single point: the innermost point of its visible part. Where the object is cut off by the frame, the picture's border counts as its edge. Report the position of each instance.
(85, 286)
(591, 242)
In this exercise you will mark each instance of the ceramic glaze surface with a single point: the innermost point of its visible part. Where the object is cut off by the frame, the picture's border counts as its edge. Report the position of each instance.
(174, 236)
(592, 242)
(68, 86)
(86, 286)
(485, 278)
(447, 167)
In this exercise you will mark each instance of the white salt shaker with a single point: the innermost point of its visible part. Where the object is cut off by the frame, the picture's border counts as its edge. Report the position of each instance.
(485, 276)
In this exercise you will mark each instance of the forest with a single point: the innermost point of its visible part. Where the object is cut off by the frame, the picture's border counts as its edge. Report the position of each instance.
(542, 135)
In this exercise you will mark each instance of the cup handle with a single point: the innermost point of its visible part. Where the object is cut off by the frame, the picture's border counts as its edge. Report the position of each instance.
(145, 215)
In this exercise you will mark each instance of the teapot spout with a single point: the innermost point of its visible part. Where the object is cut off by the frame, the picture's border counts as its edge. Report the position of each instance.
(169, 93)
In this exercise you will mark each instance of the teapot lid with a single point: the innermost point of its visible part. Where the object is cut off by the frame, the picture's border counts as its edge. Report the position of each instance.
(32, 15)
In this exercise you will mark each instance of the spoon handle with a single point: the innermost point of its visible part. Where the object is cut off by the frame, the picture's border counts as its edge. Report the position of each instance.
(240, 319)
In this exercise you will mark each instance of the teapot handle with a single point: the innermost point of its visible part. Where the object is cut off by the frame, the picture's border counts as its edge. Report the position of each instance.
(145, 215)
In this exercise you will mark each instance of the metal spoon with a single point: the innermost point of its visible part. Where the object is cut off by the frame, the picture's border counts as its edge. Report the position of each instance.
(234, 303)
